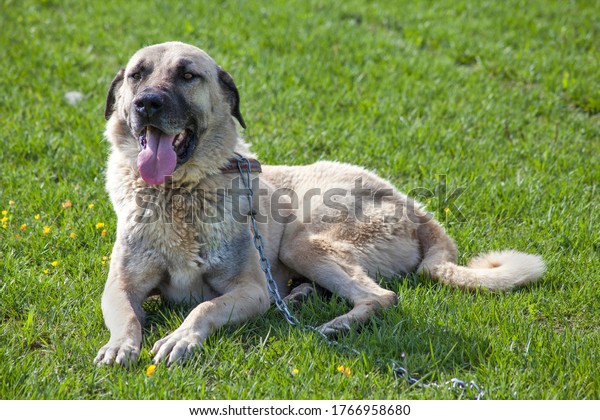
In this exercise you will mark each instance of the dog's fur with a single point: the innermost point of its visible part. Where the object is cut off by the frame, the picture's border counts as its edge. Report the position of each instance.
(324, 238)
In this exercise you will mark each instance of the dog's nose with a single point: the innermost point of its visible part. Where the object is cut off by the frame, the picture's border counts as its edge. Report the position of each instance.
(148, 104)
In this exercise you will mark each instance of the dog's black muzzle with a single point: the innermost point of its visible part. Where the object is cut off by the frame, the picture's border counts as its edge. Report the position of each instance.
(158, 108)
(148, 104)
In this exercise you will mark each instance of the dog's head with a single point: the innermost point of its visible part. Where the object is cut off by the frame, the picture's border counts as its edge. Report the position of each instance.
(172, 104)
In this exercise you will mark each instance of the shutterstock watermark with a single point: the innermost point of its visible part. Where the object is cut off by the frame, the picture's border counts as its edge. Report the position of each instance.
(168, 203)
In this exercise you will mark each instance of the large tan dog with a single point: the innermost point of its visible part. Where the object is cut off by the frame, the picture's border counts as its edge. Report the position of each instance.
(183, 230)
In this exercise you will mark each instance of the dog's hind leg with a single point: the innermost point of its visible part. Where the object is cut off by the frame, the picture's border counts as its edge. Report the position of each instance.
(300, 293)
(340, 273)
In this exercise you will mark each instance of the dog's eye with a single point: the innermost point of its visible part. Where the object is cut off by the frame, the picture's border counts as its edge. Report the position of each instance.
(188, 76)
(136, 76)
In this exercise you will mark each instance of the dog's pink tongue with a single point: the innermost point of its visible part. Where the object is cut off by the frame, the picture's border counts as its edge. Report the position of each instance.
(158, 159)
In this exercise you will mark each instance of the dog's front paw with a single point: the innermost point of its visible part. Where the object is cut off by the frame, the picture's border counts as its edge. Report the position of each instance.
(122, 352)
(177, 346)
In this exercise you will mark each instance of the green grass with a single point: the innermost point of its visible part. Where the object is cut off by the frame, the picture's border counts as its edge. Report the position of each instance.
(500, 98)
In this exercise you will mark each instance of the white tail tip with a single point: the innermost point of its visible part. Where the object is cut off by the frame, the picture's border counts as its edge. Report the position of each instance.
(510, 268)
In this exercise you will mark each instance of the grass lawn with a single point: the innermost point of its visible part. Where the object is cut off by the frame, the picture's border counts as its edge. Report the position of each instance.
(491, 106)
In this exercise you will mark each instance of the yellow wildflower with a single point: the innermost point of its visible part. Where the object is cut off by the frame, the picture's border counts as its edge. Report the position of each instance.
(150, 370)
(99, 225)
(23, 226)
(54, 263)
(345, 370)
(72, 235)
(46, 230)
(11, 203)
(4, 219)
(91, 206)
(67, 204)
(4, 212)
(295, 371)
(103, 233)
(36, 217)
(45, 271)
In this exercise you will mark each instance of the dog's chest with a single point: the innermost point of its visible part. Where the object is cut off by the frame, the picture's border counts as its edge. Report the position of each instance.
(199, 250)
(203, 276)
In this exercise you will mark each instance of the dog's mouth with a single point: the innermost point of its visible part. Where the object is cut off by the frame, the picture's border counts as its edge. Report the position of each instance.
(161, 153)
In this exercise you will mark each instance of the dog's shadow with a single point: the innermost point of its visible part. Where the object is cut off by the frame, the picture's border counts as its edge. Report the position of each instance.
(422, 346)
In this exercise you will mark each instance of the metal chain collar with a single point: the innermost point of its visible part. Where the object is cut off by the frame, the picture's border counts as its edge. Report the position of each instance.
(245, 171)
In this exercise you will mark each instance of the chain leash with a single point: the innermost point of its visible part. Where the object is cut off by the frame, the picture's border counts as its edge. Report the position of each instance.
(399, 371)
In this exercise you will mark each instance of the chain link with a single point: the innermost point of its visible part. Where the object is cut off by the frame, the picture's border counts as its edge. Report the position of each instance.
(399, 371)
(454, 383)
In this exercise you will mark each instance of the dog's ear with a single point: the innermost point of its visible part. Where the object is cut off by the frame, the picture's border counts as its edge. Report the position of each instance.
(232, 95)
(110, 97)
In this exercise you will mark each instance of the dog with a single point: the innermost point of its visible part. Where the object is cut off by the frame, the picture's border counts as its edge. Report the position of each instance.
(183, 231)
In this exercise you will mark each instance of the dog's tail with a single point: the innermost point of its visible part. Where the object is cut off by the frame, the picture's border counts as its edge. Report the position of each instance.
(501, 270)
